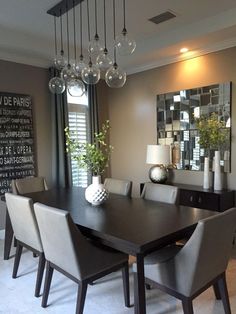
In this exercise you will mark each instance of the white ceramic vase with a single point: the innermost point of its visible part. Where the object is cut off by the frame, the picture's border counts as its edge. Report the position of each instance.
(206, 174)
(96, 193)
(218, 177)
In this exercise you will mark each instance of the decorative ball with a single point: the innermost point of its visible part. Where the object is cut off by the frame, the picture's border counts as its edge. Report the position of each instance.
(158, 174)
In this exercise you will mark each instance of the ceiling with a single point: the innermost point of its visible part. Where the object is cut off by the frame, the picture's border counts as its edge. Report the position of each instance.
(27, 36)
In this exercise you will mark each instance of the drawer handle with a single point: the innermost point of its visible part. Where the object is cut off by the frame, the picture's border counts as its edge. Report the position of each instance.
(191, 198)
(199, 199)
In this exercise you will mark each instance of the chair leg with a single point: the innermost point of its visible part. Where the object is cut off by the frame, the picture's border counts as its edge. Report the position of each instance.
(17, 259)
(224, 294)
(217, 291)
(82, 290)
(187, 306)
(47, 284)
(125, 276)
(39, 274)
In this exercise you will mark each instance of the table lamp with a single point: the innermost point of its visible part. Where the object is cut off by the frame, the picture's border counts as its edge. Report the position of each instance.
(159, 156)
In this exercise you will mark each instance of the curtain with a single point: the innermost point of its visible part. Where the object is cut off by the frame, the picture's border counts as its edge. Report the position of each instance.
(93, 110)
(93, 115)
(61, 166)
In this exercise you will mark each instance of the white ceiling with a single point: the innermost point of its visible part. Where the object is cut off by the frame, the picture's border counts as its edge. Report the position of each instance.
(27, 36)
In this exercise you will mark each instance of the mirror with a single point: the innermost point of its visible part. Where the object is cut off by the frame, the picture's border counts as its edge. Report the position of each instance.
(176, 113)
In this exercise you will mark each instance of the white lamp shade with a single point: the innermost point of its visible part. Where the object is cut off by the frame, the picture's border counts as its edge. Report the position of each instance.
(158, 154)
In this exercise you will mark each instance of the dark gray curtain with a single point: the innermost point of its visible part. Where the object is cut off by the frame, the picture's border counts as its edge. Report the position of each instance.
(93, 110)
(93, 114)
(61, 167)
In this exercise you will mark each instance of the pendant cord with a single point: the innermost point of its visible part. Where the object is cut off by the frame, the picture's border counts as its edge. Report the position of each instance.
(62, 49)
(105, 26)
(81, 33)
(68, 36)
(124, 15)
(55, 35)
(96, 19)
(75, 55)
(114, 28)
(88, 20)
(90, 60)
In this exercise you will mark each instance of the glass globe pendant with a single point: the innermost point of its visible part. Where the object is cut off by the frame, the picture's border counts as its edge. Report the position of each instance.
(125, 44)
(68, 74)
(79, 66)
(95, 47)
(103, 61)
(59, 61)
(56, 85)
(90, 74)
(76, 87)
(115, 77)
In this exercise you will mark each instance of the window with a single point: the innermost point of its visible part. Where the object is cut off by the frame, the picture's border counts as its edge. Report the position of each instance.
(78, 126)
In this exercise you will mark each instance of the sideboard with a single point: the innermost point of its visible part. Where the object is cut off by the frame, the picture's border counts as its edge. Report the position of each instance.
(196, 196)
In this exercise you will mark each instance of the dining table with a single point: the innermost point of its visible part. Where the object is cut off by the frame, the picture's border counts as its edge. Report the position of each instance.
(131, 225)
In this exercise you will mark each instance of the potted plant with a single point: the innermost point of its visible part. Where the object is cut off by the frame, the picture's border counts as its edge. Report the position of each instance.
(212, 135)
(95, 158)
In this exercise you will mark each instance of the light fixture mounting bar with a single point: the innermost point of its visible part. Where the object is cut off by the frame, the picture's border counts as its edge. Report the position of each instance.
(63, 6)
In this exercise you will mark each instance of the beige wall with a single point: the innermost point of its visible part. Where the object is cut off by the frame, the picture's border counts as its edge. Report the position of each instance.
(132, 112)
(18, 78)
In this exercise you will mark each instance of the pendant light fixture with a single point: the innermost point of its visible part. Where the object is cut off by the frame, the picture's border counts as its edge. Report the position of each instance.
(91, 73)
(59, 60)
(80, 65)
(75, 85)
(103, 60)
(74, 73)
(56, 84)
(95, 46)
(124, 43)
(115, 77)
(67, 72)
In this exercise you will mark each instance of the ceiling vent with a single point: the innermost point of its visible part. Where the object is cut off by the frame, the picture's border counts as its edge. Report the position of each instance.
(163, 17)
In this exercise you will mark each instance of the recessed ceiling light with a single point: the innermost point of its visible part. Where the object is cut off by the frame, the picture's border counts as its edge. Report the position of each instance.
(183, 50)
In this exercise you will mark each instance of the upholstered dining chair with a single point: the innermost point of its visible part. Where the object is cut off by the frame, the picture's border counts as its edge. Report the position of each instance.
(186, 272)
(72, 254)
(28, 185)
(116, 186)
(26, 232)
(160, 193)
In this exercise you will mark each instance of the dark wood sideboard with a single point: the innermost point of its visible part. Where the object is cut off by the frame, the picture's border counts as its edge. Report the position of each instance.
(196, 196)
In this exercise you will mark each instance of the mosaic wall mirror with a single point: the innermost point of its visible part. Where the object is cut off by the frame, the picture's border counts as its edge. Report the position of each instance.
(176, 113)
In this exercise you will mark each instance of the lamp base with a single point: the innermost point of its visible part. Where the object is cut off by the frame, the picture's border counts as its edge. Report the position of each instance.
(158, 174)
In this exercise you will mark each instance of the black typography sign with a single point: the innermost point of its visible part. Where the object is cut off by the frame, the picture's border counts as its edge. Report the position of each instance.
(16, 139)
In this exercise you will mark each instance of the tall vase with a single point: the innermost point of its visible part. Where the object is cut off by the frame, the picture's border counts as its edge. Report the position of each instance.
(206, 174)
(218, 177)
(96, 193)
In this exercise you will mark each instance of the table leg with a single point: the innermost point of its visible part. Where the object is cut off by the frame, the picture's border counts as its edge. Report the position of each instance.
(8, 236)
(139, 288)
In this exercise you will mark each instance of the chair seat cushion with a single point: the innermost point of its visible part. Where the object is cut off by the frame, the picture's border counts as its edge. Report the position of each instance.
(160, 256)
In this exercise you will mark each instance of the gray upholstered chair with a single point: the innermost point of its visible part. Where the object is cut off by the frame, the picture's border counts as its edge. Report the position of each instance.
(28, 185)
(26, 232)
(72, 254)
(116, 186)
(160, 193)
(188, 271)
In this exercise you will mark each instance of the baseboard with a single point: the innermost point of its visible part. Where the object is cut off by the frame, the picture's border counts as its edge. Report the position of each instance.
(2, 234)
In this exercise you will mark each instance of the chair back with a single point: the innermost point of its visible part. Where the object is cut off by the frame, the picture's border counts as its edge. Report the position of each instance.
(23, 220)
(28, 185)
(206, 254)
(116, 186)
(160, 192)
(63, 243)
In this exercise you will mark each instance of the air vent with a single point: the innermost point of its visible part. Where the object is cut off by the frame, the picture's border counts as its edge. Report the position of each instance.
(163, 17)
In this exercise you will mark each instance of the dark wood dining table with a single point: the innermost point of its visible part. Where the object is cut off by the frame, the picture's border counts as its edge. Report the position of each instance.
(131, 225)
